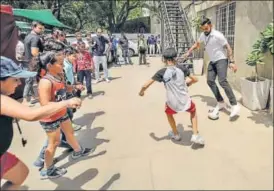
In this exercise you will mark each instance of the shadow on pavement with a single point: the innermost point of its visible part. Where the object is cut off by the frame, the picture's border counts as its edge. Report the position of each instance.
(211, 103)
(259, 117)
(88, 118)
(24, 188)
(108, 184)
(185, 138)
(87, 137)
(72, 161)
(94, 94)
(262, 117)
(115, 78)
(65, 183)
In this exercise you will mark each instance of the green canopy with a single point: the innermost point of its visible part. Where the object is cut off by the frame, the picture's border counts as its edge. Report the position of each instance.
(43, 15)
(25, 26)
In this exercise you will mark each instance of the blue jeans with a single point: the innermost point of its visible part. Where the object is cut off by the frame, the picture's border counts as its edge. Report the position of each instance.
(87, 75)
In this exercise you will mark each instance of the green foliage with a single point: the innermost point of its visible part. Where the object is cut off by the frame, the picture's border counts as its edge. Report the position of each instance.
(265, 42)
(195, 23)
(136, 13)
(261, 46)
(255, 58)
(86, 14)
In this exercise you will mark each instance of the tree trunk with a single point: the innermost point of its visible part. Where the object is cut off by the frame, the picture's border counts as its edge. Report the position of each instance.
(59, 9)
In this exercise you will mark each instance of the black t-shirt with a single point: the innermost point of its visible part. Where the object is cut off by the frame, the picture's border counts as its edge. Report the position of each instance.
(32, 41)
(123, 42)
(6, 133)
(159, 75)
(100, 46)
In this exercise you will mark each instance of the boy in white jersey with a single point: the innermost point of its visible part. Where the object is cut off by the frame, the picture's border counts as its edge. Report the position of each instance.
(174, 78)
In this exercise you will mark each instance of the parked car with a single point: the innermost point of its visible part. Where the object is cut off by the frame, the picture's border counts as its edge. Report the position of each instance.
(133, 48)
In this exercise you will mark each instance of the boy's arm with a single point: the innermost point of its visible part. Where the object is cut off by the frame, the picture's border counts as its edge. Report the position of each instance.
(158, 76)
(191, 80)
(146, 86)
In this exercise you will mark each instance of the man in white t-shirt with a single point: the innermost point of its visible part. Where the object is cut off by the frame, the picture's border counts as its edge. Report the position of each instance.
(220, 54)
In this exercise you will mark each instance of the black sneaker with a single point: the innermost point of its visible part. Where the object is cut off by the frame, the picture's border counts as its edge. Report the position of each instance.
(52, 173)
(82, 153)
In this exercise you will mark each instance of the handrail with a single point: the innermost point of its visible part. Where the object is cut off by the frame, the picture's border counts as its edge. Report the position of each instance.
(173, 39)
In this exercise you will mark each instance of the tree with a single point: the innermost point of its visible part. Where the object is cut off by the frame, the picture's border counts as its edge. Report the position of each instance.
(113, 14)
(84, 14)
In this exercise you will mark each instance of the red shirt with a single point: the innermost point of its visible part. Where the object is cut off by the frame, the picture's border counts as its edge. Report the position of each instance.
(56, 86)
(84, 61)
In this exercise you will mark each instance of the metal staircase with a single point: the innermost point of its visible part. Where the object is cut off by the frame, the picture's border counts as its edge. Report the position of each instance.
(176, 30)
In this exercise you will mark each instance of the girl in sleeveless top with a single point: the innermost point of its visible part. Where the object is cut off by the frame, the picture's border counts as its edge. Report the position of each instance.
(13, 169)
(52, 88)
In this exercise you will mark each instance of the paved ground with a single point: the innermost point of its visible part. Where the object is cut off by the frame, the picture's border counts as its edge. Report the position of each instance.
(133, 152)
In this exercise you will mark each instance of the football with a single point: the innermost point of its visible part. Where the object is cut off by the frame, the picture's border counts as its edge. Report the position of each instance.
(213, 115)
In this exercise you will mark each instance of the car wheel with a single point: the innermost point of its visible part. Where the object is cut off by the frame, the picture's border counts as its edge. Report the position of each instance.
(131, 52)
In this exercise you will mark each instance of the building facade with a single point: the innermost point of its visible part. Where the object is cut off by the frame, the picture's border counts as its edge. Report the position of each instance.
(241, 22)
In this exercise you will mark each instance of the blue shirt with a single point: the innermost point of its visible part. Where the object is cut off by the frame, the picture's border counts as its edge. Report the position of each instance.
(68, 68)
(151, 40)
(100, 46)
(114, 43)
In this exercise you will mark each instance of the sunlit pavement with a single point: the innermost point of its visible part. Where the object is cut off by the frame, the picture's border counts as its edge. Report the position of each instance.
(132, 148)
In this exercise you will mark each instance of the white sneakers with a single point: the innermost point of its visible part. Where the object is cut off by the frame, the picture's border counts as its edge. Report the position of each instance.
(234, 111)
(198, 139)
(174, 137)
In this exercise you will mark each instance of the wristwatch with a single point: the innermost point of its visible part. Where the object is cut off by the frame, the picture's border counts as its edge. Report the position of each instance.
(232, 61)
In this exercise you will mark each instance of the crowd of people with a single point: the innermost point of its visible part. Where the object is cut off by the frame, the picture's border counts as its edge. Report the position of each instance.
(55, 73)
(60, 69)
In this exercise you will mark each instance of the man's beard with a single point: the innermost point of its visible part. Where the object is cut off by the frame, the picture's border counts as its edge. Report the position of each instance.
(207, 33)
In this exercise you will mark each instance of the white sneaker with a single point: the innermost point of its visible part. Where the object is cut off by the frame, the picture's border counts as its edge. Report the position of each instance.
(197, 139)
(218, 107)
(107, 80)
(235, 109)
(174, 137)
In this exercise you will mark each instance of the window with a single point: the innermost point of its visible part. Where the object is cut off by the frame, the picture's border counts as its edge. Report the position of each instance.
(226, 21)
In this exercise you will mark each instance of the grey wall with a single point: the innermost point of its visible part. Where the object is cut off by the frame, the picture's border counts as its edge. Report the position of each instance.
(251, 18)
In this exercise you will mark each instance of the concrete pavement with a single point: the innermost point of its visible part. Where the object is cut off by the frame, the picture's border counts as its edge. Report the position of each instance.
(133, 152)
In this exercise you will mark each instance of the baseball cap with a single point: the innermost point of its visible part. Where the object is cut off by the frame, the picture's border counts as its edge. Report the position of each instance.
(9, 68)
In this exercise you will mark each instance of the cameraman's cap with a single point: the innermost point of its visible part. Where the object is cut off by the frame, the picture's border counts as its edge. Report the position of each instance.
(9, 68)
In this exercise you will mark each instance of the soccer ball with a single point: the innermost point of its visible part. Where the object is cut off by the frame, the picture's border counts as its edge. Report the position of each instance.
(213, 115)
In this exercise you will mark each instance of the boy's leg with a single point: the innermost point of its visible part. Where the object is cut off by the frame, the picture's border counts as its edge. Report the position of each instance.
(88, 81)
(172, 123)
(174, 134)
(80, 76)
(75, 126)
(40, 159)
(196, 138)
